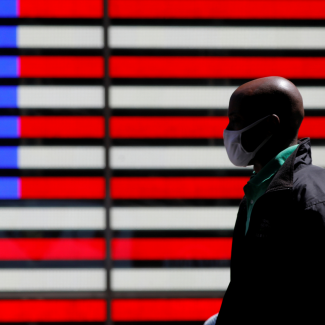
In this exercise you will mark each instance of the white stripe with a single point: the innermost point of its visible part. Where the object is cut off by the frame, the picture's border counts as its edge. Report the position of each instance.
(52, 280)
(318, 156)
(182, 158)
(168, 218)
(60, 37)
(202, 97)
(133, 157)
(170, 97)
(169, 158)
(64, 97)
(142, 97)
(170, 279)
(61, 157)
(52, 218)
(313, 97)
(217, 37)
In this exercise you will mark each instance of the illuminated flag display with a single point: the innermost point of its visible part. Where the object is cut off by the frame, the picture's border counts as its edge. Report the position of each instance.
(117, 198)
(52, 188)
(53, 310)
(173, 68)
(58, 246)
(52, 127)
(50, 37)
(217, 9)
(216, 67)
(51, 67)
(51, 9)
(163, 310)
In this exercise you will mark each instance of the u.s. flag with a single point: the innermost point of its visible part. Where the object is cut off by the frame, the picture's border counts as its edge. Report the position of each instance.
(117, 199)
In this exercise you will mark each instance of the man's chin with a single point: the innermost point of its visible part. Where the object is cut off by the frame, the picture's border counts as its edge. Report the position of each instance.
(251, 162)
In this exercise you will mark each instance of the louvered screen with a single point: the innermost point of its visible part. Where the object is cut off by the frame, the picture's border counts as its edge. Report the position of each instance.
(131, 158)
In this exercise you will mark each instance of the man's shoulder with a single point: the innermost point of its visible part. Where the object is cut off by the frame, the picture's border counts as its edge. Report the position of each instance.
(309, 185)
(309, 173)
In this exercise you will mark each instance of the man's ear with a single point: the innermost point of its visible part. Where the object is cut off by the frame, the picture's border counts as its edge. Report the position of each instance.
(273, 124)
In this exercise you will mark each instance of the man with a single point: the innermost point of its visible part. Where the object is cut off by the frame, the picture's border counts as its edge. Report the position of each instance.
(278, 251)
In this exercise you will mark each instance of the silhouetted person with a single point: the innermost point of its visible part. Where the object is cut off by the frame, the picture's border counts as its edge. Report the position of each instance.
(278, 251)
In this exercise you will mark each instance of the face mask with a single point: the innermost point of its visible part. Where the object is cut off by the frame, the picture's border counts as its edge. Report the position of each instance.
(236, 153)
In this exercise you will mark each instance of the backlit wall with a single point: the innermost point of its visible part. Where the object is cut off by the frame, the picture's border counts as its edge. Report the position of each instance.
(117, 199)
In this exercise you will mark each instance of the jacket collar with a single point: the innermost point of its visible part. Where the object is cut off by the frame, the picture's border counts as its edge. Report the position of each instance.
(284, 177)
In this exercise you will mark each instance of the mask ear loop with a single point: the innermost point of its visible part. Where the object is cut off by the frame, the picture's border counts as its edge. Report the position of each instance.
(249, 126)
(259, 147)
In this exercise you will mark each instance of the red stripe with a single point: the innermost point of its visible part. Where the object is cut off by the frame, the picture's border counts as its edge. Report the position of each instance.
(62, 127)
(217, 67)
(312, 127)
(133, 310)
(61, 8)
(142, 127)
(192, 127)
(13, 311)
(168, 127)
(52, 249)
(178, 187)
(218, 9)
(61, 67)
(62, 187)
(171, 249)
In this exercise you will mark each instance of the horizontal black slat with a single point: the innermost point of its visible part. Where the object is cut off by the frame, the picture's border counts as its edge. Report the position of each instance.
(170, 112)
(10, 111)
(52, 51)
(171, 264)
(220, 22)
(131, 112)
(52, 21)
(218, 52)
(51, 203)
(53, 295)
(125, 142)
(51, 264)
(166, 294)
(144, 81)
(161, 112)
(175, 203)
(51, 142)
(52, 172)
(52, 81)
(215, 233)
(201, 82)
(181, 172)
(167, 142)
(59, 234)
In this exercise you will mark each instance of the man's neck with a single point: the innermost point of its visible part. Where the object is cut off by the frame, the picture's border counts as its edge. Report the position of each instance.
(258, 166)
(265, 155)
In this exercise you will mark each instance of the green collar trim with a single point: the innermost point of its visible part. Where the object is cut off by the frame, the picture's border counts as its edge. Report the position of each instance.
(271, 167)
(259, 182)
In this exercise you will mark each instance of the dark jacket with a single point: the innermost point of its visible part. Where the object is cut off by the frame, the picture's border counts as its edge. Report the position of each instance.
(277, 269)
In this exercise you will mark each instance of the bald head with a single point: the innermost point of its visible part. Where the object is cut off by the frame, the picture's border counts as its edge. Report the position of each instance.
(272, 95)
(278, 104)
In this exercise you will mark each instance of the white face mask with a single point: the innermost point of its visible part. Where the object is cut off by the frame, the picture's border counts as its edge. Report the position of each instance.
(236, 153)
